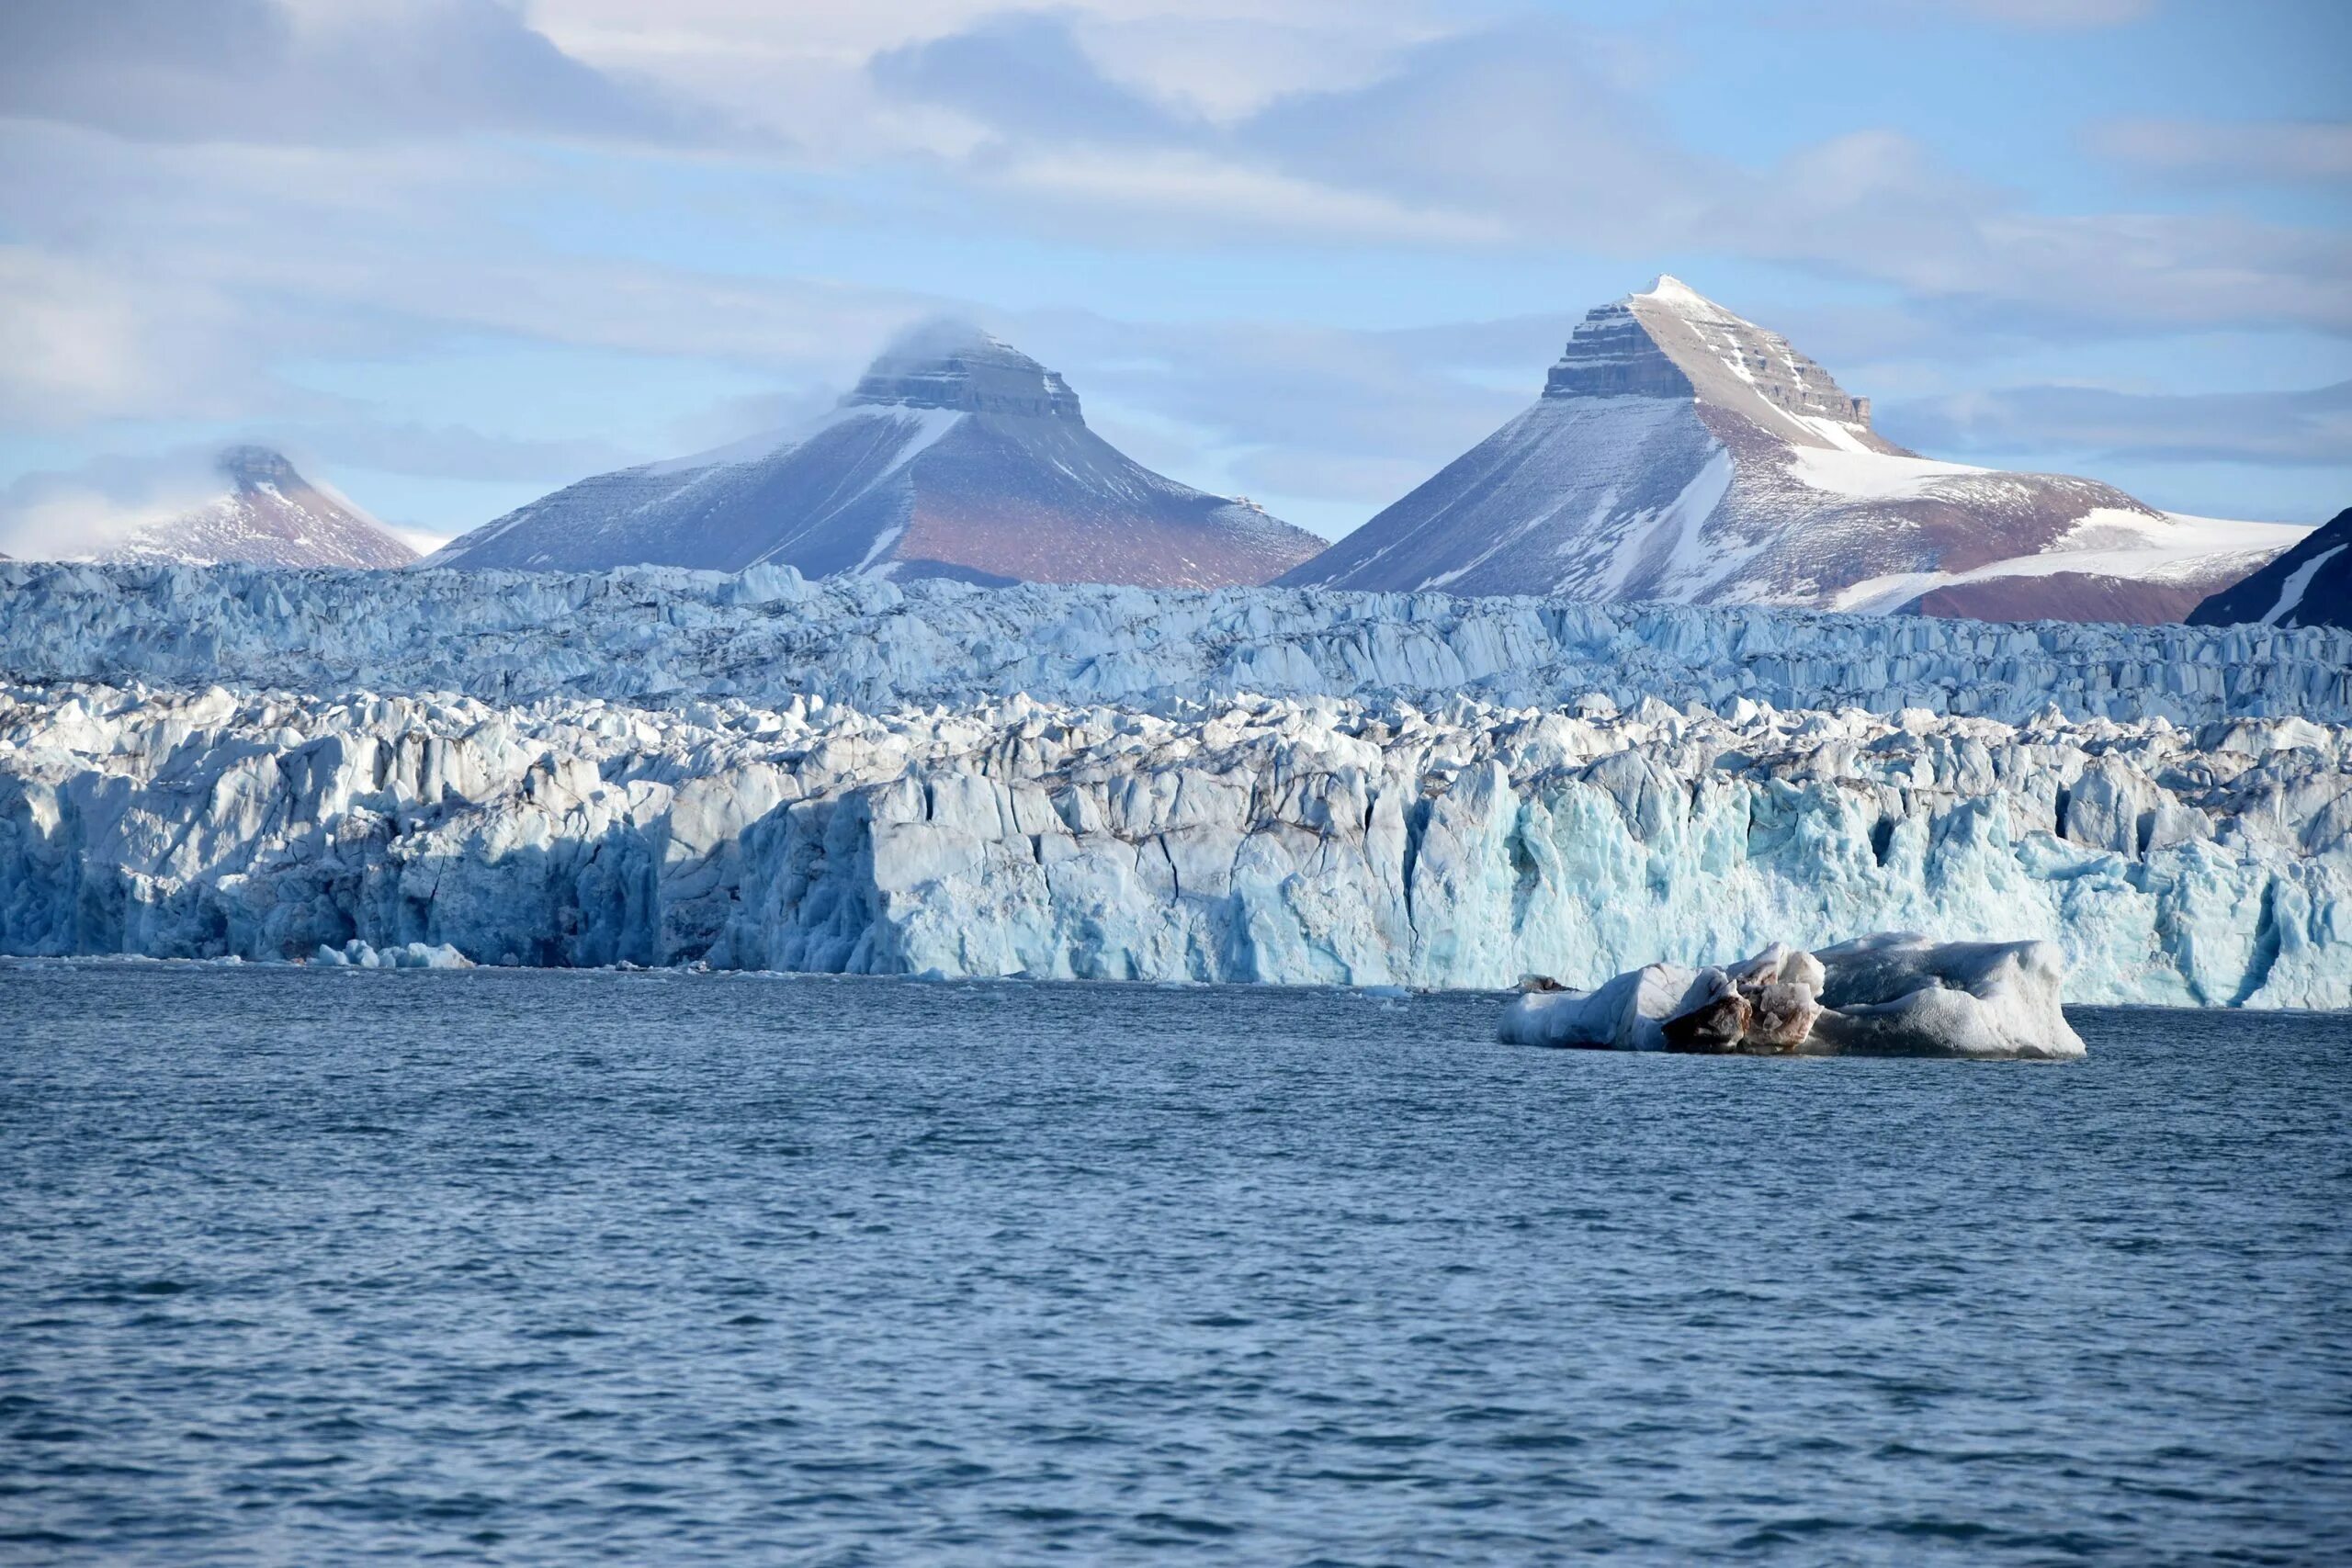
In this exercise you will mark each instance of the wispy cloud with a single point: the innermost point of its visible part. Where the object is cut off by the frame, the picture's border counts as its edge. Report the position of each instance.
(2279, 151)
(255, 70)
(2300, 429)
(80, 510)
(241, 212)
(1538, 134)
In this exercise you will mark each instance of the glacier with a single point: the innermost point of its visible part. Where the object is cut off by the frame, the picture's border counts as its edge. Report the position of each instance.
(1366, 841)
(653, 634)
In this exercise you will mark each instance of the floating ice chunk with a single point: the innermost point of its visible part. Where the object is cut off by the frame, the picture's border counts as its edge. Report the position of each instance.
(1625, 1014)
(1895, 994)
(1902, 995)
(358, 954)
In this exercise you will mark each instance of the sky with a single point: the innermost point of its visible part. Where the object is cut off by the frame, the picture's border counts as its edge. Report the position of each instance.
(450, 255)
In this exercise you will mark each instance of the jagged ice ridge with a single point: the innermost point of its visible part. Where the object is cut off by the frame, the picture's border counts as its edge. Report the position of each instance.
(1264, 839)
(766, 636)
(754, 771)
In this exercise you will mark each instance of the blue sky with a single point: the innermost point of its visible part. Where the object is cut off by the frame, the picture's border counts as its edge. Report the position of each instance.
(452, 253)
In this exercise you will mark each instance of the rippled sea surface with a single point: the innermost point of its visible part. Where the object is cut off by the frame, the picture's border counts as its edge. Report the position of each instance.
(315, 1267)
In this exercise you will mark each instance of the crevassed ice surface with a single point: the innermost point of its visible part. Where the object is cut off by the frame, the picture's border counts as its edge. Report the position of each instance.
(766, 636)
(928, 825)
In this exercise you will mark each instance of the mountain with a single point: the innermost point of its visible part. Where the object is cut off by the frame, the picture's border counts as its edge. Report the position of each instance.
(2311, 585)
(956, 456)
(1681, 453)
(270, 515)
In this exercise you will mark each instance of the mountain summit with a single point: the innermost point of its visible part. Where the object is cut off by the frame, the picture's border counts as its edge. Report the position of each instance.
(1680, 452)
(955, 456)
(270, 515)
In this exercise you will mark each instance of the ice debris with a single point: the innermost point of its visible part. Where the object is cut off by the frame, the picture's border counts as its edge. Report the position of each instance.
(358, 954)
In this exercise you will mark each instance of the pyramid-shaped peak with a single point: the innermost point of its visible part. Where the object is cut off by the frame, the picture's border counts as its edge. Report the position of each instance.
(250, 467)
(944, 338)
(1674, 342)
(1671, 293)
(951, 364)
(268, 515)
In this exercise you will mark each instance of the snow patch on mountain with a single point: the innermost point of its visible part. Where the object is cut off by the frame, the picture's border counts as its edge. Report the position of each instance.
(2297, 583)
(2175, 551)
(2311, 585)
(1871, 476)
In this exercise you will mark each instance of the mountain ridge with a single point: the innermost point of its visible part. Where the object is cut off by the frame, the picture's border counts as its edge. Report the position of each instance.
(954, 454)
(1682, 453)
(270, 515)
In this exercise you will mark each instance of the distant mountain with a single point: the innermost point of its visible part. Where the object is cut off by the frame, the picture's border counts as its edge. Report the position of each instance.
(956, 456)
(269, 515)
(2311, 585)
(1681, 453)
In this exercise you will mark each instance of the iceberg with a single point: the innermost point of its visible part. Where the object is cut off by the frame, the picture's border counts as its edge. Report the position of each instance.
(1895, 994)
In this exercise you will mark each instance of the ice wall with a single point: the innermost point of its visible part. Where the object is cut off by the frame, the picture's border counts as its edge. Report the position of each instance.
(1268, 840)
(766, 636)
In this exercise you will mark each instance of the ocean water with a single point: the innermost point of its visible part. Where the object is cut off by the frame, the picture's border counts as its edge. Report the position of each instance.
(328, 1267)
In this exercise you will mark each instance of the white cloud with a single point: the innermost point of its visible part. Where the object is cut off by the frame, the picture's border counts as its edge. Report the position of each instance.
(354, 72)
(1196, 196)
(2300, 429)
(68, 343)
(800, 70)
(81, 510)
(2271, 151)
(81, 341)
(2033, 16)
(2053, 13)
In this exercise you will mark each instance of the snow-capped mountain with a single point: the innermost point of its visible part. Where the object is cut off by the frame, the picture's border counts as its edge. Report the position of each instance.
(2311, 585)
(1681, 453)
(956, 456)
(270, 515)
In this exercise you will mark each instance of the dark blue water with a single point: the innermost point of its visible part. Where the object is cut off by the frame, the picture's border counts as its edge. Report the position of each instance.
(315, 1267)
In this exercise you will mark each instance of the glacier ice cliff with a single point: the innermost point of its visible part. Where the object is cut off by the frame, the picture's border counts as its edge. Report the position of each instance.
(1365, 840)
(766, 636)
